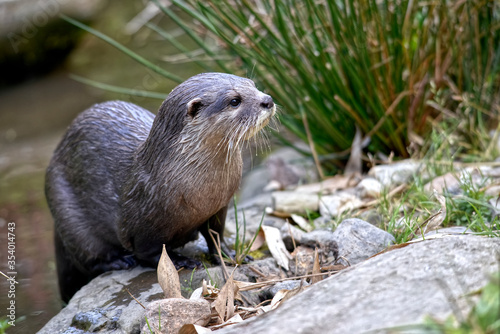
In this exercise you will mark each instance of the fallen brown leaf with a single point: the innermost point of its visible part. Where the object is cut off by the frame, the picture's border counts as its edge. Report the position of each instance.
(194, 329)
(224, 303)
(316, 268)
(168, 278)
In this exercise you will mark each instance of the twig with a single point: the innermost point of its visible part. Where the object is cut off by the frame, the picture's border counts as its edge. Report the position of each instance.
(138, 302)
(217, 246)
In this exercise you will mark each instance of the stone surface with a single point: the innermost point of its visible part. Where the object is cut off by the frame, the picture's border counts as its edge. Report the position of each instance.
(448, 182)
(336, 204)
(370, 187)
(255, 182)
(173, 313)
(357, 240)
(295, 202)
(396, 173)
(396, 288)
(105, 304)
(289, 234)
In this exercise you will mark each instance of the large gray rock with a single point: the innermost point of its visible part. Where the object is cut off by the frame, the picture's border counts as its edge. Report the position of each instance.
(396, 288)
(104, 305)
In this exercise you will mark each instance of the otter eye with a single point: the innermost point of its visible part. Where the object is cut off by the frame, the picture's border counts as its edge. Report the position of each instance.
(235, 102)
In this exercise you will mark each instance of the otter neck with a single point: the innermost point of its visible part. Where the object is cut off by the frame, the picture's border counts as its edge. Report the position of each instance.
(201, 169)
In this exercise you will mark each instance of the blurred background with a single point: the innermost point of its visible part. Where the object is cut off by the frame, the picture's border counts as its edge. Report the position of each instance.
(38, 100)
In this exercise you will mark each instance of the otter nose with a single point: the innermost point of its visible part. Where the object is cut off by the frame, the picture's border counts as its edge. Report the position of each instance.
(267, 102)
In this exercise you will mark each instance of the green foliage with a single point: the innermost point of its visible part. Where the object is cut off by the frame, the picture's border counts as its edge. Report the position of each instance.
(391, 67)
(4, 325)
(471, 208)
(241, 247)
(388, 66)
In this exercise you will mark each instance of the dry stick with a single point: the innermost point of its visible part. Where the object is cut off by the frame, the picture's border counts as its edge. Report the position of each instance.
(264, 283)
(138, 302)
(217, 246)
(311, 146)
(389, 195)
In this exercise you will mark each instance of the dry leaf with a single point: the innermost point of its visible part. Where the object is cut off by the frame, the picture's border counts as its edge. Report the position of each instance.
(278, 297)
(439, 217)
(285, 294)
(224, 303)
(302, 222)
(433, 221)
(168, 276)
(316, 268)
(197, 294)
(354, 164)
(276, 246)
(234, 320)
(194, 329)
(259, 241)
(204, 288)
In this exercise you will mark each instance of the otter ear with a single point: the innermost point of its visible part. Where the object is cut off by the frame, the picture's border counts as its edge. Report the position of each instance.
(193, 107)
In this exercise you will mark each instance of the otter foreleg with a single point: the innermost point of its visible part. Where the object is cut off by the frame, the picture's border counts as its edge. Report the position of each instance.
(217, 223)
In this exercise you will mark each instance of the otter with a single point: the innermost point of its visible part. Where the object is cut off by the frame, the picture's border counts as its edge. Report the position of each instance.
(122, 182)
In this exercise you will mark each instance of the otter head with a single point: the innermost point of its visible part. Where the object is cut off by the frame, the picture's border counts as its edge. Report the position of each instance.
(217, 107)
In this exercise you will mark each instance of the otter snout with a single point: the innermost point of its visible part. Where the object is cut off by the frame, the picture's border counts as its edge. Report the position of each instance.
(267, 102)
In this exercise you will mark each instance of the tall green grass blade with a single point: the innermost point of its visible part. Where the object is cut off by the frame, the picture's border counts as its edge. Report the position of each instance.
(117, 89)
(124, 49)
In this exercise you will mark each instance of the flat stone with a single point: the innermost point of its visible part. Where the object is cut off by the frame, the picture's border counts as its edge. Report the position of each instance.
(173, 313)
(295, 202)
(105, 306)
(397, 288)
(370, 187)
(334, 205)
(396, 173)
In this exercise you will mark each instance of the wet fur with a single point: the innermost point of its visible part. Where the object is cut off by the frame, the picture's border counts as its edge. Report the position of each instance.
(122, 182)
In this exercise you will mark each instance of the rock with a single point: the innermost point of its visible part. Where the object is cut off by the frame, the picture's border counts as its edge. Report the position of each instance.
(493, 190)
(396, 173)
(104, 305)
(287, 231)
(397, 288)
(297, 169)
(372, 216)
(334, 205)
(250, 213)
(448, 230)
(286, 285)
(173, 313)
(33, 36)
(448, 183)
(323, 222)
(370, 187)
(295, 202)
(358, 240)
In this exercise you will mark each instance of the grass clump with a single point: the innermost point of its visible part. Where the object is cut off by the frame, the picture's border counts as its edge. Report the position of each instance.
(241, 246)
(393, 68)
(387, 66)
